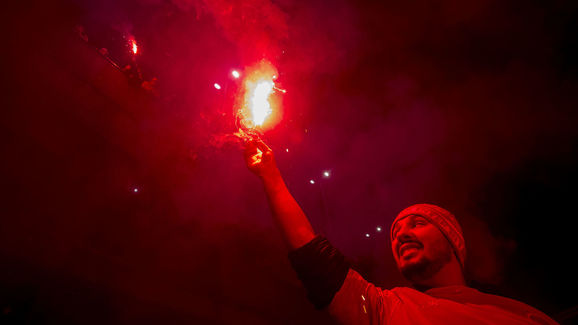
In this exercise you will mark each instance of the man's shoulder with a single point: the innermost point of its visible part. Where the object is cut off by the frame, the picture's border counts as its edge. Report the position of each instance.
(471, 296)
(408, 293)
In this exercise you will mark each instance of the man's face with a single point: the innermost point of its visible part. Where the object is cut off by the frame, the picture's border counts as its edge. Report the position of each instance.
(419, 248)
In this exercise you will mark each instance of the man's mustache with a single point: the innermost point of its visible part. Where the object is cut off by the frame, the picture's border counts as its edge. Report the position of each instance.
(407, 240)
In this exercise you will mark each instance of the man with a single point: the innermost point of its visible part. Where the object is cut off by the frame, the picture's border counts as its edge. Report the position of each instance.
(428, 247)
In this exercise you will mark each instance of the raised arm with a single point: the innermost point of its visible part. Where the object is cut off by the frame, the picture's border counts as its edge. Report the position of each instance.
(324, 271)
(289, 217)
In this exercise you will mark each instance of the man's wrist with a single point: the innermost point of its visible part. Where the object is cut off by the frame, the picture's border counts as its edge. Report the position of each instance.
(272, 178)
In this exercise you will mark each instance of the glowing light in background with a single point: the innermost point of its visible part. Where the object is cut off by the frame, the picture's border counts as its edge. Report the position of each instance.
(135, 190)
(217, 86)
(367, 235)
(326, 173)
(378, 228)
(235, 74)
(287, 150)
(312, 181)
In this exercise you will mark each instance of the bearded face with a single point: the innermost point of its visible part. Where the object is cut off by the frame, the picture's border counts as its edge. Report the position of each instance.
(420, 249)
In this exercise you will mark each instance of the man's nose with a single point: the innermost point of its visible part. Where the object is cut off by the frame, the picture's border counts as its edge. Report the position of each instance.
(405, 234)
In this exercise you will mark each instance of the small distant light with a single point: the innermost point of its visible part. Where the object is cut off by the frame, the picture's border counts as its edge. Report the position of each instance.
(326, 173)
(312, 181)
(135, 190)
(367, 235)
(378, 228)
(287, 150)
(217, 86)
(235, 74)
(274, 77)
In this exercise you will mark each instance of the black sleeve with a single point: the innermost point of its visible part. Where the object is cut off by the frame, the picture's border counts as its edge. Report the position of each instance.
(321, 268)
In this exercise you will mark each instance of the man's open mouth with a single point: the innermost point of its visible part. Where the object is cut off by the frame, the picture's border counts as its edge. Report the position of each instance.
(407, 246)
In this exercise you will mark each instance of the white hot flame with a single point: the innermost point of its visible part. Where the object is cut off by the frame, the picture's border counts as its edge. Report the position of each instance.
(260, 106)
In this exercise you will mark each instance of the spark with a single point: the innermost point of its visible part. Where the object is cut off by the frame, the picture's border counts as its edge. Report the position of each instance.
(279, 89)
(235, 74)
(217, 86)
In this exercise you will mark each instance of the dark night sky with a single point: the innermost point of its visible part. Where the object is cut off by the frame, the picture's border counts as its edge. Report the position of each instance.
(467, 104)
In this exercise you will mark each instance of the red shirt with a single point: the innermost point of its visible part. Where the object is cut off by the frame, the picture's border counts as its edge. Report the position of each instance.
(360, 302)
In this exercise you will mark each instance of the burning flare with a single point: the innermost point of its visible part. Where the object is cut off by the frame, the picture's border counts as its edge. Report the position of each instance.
(256, 107)
(260, 106)
(133, 46)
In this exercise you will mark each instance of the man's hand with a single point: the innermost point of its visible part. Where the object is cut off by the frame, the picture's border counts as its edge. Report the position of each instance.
(259, 159)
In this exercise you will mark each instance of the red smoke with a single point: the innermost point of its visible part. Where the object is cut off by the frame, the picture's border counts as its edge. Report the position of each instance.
(258, 27)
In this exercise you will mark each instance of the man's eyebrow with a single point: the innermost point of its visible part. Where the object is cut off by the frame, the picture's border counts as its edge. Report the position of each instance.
(410, 218)
(418, 217)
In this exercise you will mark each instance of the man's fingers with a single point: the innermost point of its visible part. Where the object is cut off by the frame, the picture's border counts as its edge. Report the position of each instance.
(250, 148)
(262, 146)
(253, 145)
(256, 158)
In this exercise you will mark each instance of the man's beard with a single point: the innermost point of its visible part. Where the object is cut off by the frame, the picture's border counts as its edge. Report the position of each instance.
(425, 268)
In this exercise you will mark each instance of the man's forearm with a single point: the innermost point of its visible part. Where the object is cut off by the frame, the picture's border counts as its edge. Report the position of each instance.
(320, 266)
(290, 219)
